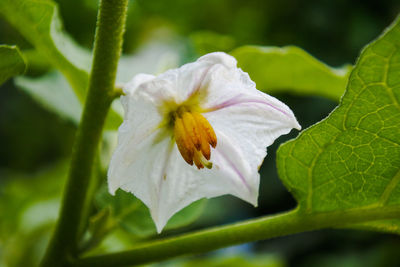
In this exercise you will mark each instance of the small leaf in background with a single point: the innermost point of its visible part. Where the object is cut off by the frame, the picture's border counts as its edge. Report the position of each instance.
(100, 225)
(133, 216)
(37, 64)
(53, 92)
(29, 204)
(152, 57)
(205, 42)
(12, 63)
(40, 24)
(351, 160)
(291, 69)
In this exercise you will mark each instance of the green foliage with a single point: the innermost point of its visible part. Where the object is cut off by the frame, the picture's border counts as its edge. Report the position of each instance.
(40, 24)
(29, 206)
(53, 93)
(12, 63)
(351, 160)
(206, 42)
(37, 64)
(291, 69)
(130, 213)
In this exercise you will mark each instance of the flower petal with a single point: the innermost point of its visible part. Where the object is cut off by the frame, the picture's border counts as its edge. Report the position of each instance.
(185, 184)
(252, 119)
(131, 87)
(178, 84)
(219, 58)
(132, 166)
(190, 77)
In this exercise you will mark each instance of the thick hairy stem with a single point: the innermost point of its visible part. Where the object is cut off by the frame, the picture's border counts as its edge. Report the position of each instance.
(107, 49)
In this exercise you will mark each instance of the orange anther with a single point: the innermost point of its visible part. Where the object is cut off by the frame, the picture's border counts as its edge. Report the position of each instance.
(194, 136)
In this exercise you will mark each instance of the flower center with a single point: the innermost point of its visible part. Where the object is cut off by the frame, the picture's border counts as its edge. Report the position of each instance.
(194, 136)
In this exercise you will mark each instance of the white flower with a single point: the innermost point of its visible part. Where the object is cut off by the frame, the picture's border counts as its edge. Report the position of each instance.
(204, 114)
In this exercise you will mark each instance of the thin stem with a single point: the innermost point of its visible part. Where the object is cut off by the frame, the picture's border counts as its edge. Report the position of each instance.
(252, 230)
(107, 49)
(118, 91)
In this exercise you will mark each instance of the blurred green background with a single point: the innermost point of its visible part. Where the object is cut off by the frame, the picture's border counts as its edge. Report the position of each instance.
(35, 144)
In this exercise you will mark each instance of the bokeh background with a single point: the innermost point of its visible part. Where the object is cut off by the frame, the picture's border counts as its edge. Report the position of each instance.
(35, 144)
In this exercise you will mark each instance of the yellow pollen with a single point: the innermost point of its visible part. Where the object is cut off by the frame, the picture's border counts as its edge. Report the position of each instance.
(194, 136)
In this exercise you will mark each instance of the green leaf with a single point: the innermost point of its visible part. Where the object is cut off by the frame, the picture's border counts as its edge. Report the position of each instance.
(133, 216)
(207, 41)
(350, 162)
(37, 64)
(12, 63)
(100, 225)
(53, 92)
(40, 24)
(29, 204)
(291, 69)
(20, 193)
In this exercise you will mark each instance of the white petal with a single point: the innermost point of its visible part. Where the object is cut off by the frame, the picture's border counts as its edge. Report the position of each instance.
(132, 165)
(140, 169)
(137, 80)
(251, 118)
(179, 84)
(184, 184)
(190, 77)
(219, 58)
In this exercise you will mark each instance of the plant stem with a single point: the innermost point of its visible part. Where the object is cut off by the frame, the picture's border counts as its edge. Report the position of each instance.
(264, 228)
(107, 49)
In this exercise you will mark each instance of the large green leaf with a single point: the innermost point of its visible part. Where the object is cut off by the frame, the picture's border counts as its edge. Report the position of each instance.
(351, 160)
(291, 69)
(12, 63)
(39, 23)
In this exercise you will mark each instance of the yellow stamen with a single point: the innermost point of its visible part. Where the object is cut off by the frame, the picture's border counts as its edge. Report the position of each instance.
(209, 131)
(205, 145)
(192, 129)
(184, 143)
(194, 136)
